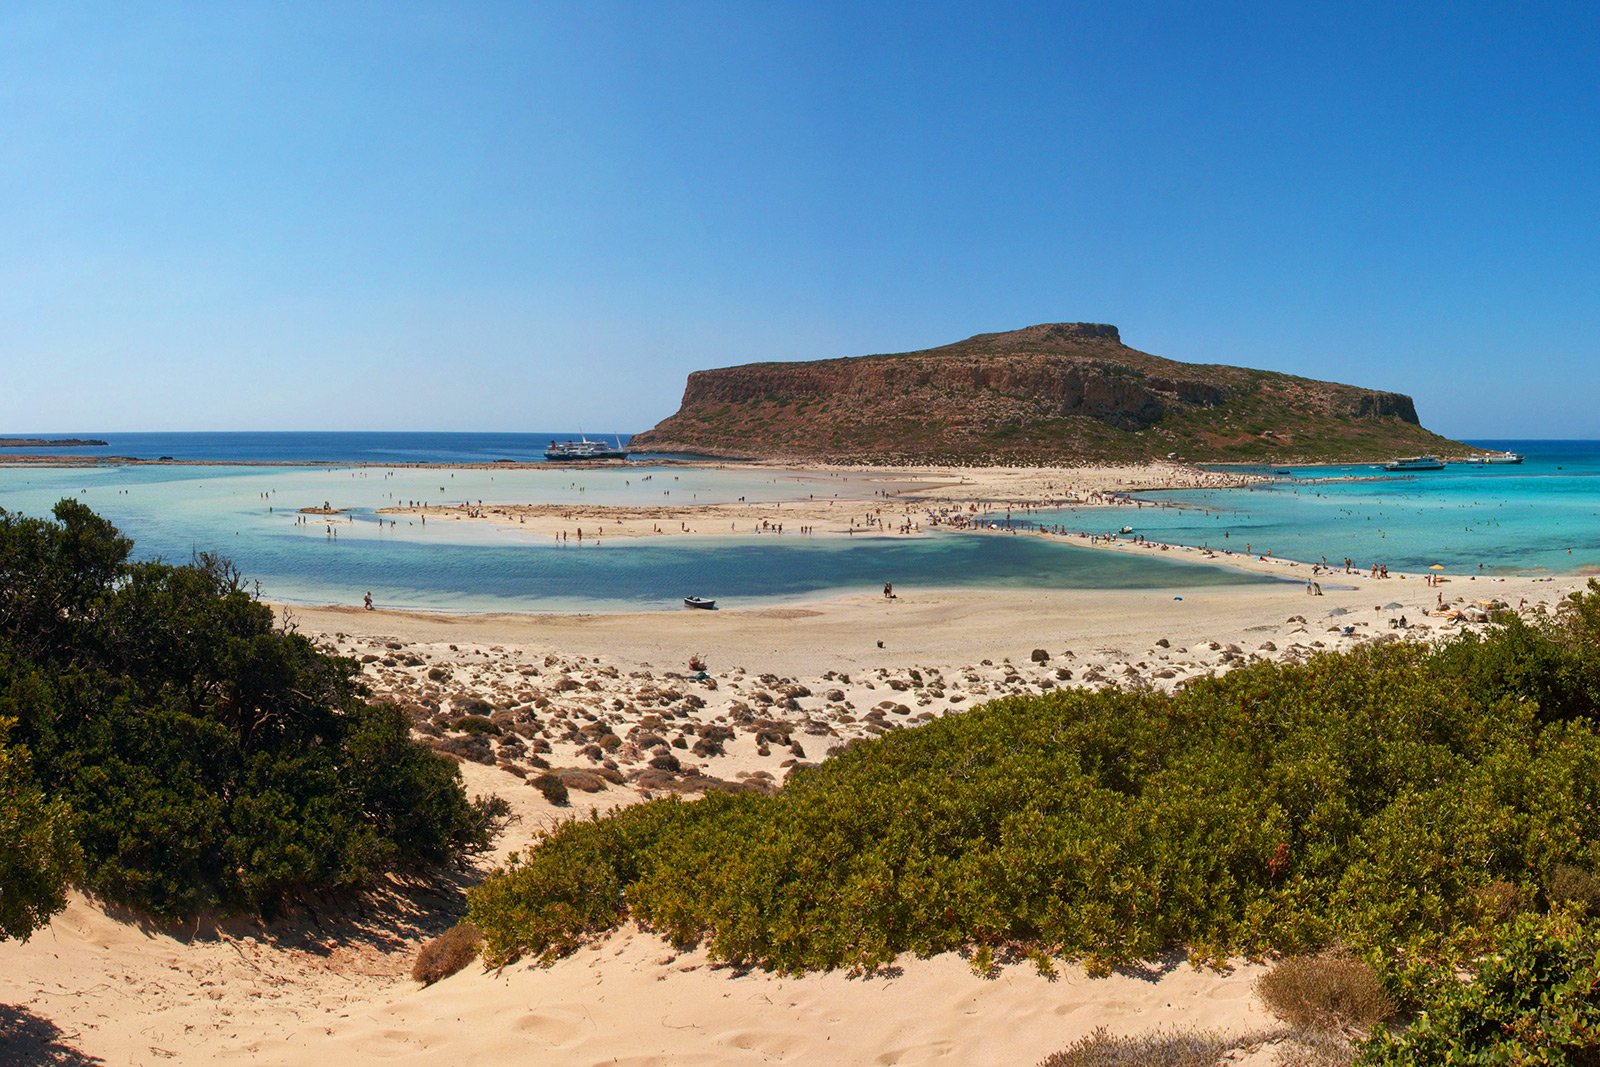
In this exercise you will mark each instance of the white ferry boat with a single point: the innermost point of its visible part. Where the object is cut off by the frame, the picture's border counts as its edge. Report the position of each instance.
(1495, 459)
(1415, 463)
(583, 448)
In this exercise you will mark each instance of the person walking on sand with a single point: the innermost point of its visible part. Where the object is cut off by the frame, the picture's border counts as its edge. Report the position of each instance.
(888, 590)
(367, 600)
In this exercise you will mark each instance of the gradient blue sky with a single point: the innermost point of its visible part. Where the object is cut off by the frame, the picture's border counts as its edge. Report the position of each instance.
(537, 216)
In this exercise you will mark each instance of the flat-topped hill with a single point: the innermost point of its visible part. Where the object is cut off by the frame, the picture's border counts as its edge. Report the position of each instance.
(1057, 392)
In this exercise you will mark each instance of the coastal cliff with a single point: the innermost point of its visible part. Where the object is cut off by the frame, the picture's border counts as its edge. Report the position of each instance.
(1057, 392)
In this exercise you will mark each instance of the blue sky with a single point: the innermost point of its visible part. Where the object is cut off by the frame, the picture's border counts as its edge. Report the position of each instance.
(536, 216)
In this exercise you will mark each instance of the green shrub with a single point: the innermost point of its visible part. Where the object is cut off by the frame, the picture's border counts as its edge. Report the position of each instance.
(1368, 798)
(212, 761)
(1533, 997)
(39, 856)
(446, 954)
(573, 887)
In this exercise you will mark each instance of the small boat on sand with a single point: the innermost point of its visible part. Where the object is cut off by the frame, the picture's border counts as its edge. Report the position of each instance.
(699, 602)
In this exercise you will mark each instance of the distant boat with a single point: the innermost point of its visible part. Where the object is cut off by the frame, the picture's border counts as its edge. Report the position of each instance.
(1126, 530)
(583, 449)
(699, 602)
(1415, 463)
(1495, 458)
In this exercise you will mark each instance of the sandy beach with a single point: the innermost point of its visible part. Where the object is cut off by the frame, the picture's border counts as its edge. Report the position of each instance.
(831, 501)
(607, 703)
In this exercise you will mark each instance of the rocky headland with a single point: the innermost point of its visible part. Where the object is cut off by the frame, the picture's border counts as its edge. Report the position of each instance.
(1047, 394)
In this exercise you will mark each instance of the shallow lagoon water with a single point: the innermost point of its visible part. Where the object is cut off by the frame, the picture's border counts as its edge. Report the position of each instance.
(1511, 519)
(250, 514)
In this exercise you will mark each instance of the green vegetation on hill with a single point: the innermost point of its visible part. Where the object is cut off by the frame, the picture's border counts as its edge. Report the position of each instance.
(1395, 800)
(209, 760)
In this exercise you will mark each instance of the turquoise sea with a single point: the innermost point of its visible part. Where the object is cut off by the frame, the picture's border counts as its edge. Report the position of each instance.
(1539, 517)
(1512, 519)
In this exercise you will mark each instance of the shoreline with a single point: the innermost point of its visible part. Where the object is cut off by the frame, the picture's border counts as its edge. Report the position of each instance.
(843, 503)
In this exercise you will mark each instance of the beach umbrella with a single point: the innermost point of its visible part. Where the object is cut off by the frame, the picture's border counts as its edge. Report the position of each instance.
(1339, 611)
(1393, 605)
(1437, 567)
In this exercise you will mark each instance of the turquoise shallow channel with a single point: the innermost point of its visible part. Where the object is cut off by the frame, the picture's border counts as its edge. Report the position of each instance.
(1540, 517)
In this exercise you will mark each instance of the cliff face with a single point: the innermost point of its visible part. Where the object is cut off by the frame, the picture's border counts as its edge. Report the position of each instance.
(1051, 393)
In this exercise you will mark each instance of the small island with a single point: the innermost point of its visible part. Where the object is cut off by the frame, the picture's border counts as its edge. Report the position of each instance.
(41, 442)
(1060, 393)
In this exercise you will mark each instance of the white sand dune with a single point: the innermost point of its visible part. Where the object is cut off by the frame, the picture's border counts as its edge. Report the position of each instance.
(131, 996)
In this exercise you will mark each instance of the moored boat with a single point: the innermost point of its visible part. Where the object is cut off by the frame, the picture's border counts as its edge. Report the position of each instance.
(1415, 463)
(699, 602)
(583, 449)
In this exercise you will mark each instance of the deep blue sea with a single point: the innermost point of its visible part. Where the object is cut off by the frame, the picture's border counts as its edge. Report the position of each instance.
(313, 446)
(1540, 517)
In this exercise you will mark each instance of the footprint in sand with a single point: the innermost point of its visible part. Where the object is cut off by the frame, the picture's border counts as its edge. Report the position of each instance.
(921, 1053)
(557, 1031)
(777, 1046)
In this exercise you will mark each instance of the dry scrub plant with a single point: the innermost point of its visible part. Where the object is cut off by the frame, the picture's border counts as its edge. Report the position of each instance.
(447, 953)
(1181, 1048)
(1328, 991)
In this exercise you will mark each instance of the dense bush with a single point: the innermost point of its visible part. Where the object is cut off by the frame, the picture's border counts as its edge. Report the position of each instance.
(211, 759)
(38, 855)
(1532, 998)
(1370, 798)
